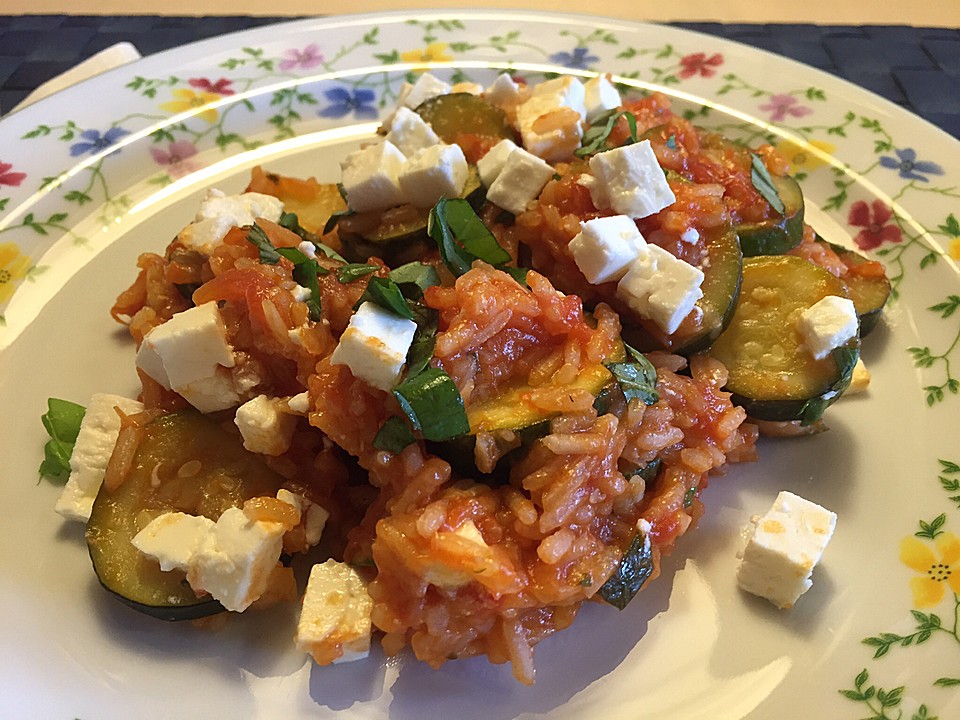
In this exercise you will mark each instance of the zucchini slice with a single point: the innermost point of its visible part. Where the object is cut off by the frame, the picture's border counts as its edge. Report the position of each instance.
(771, 374)
(185, 463)
(458, 114)
(868, 285)
(398, 235)
(780, 233)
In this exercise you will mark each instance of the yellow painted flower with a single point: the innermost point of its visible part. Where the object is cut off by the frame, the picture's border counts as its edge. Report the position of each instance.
(13, 268)
(799, 155)
(187, 99)
(936, 573)
(434, 52)
(955, 248)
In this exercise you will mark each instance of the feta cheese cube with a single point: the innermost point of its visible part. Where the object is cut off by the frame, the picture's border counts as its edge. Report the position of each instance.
(313, 517)
(564, 91)
(828, 324)
(369, 177)
(300, 403)
(265, 428)
(605, 248)
(434, 172)
(334, 623)
(600, 95)
(520, 181)
(410, 132)
(661, 287)
(219, 213)
(786, 544)
(374, 346)
(490, 165)
(630, 181)
(504, 91)
(186, 354)
(425, 88)
(174, 539)
(549, 128)
(91, 454)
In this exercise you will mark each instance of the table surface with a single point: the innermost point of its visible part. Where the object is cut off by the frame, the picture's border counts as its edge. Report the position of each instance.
(915, 67)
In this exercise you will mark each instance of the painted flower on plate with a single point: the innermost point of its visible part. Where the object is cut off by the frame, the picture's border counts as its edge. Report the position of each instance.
(186, 100)
(434, 52)
(13, 268)
(874, 220)
(345, 101)
(93, 141)
(176, 157)
(13, 179)
(220, 87)
(803, 156)
(938, 570)
(580, 58)
(699, 64)
(305, 59)
(783, 105)
(909, 167)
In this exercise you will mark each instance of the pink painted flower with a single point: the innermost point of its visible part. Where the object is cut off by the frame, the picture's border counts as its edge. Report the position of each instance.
(10, 178)
(176, 158)
(874, 219)
(780, 106)
(700, 64)
(220, 87)
(307, 58)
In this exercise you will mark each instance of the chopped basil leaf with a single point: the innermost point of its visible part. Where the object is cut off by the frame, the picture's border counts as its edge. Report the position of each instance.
(637, 377)
(648, 472)
(416, 275)
(462, 237)
(517, 273)
(297, 257)
(762, 181)
(335, 218)
(672, 142)
(596, 137)
(306, 270)
(424, 339)
(329, 252)
(354, 271)
(291, 222)
(305, 274)
(393, 436)
(62, 423)
(634, 570)
(433, 405)
(268, 253)
(386, 293)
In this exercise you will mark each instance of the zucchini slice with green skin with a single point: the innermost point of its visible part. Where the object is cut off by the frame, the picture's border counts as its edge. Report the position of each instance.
(771, 374)
(185, 463)
(780, 233)
(398, 235)
(869, 290)
(458, 114)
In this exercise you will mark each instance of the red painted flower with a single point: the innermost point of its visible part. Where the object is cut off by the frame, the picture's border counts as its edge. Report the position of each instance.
(873, 219)
(700, 64)
(10, 178)
(220, 87)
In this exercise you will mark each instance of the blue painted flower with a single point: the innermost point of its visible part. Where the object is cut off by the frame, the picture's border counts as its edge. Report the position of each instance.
(345, 100)
(579, 58)
(909, 167)
(91, 141)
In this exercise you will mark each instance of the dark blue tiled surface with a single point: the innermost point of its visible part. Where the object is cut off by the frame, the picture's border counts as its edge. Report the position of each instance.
(918, 68)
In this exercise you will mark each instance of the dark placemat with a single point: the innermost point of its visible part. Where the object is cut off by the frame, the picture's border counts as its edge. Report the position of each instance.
(917, 68)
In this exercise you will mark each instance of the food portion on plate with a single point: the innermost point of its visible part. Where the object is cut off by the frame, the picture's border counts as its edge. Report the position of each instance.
(483, 379)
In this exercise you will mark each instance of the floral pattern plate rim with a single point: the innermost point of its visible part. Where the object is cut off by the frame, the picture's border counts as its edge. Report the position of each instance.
(85, 185)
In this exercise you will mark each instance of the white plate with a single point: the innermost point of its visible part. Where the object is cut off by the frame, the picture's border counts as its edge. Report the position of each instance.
(296, 98)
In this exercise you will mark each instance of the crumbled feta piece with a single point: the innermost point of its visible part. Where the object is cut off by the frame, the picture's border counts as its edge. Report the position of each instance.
(434, 172)
(504, 91)
(491, 164)
(186, 354)
(661, 287)
(630, 181)
(265, 428)
(409, 132)
(828, 324)
(551, 120)
(520, 181)
(690, 235)
(174, 539)
(600, 95)
(471, 88)
(786, 544)
(300, 403)
(308, 249)
(334, 623)
(301, 293)
(313, 517)
(369, 177)
(425, 88)
(219, 212)
(91, 454)
(374, 346)
(605, 247)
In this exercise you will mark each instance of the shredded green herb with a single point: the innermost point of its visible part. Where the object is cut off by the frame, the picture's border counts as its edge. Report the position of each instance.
(415, 277)
(291, 222)
(424, 339)
(634, 570)
(672, 142)
(306, 270)
(354, 271)
(393, 436)
(637, 377)
(596, 137)
(62, 423)
(386, 293)
(762, 181)
(433, 405)
(462, 237)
